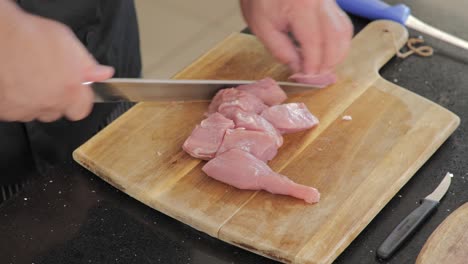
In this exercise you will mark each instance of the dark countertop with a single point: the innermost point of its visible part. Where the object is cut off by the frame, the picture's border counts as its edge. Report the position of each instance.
(65, 214)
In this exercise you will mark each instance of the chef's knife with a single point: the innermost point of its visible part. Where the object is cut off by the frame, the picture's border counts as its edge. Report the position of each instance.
(138, 90)
(410, 223)
(375, 9)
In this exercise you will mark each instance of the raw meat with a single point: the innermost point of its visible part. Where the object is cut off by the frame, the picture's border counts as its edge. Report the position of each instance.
(242, 170)
(260, 144)
(267, 90)
(290, 118)
(220, 96)
(206, 138)
(251, 121)
(226, 101)
(321, 81)
(347, 118)
(238, 150)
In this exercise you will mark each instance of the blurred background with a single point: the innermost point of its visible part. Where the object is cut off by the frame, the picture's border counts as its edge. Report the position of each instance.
(173, 33)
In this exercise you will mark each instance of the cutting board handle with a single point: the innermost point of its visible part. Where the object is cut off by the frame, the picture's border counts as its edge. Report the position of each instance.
(372, 48)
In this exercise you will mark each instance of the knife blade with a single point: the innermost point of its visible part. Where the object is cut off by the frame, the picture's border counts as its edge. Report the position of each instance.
(410, 223)
(138, 90)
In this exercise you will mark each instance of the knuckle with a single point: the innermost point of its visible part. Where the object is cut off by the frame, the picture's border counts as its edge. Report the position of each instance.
(307, 3)
(312, 67)
(81, 106)
(349, 31)
(45, 105)
(282, 56)
(79, 113)
(60, 29)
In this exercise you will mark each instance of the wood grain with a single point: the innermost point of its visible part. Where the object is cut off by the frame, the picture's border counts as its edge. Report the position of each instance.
(358, 165)
(449, 242)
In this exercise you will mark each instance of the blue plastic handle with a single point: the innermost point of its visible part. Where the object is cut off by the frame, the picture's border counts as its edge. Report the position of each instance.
(375, 9)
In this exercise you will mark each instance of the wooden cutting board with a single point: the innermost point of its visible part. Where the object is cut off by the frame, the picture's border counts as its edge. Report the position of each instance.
(449, 242)
(358, 165)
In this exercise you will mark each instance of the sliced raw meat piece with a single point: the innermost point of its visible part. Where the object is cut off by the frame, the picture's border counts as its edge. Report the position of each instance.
(321, 81)
(290, 118)
(206, 138)
(222, 95)
(267, 90)
(260, 144)
(251, 121)
(242, 170)
(226, 101)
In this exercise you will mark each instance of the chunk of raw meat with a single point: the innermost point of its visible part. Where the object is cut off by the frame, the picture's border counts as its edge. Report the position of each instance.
(242, 170)
(206, 138)
(222, 95)
(227, 101)
(290, 118)
(251, 121)
(267, 90)
(260, 144)
(320, 81)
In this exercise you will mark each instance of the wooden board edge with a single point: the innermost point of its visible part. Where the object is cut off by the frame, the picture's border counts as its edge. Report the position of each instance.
(389, 37)
(79, 156)
(88, 164)
(118, 120)
(372, 213)
(397, 187)
(453, 121)
(449, 113)
(78, 152)
(132, 192)
(439, 231)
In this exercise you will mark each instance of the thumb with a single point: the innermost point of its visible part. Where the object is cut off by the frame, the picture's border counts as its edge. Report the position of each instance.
(98, 73)
(91, 70)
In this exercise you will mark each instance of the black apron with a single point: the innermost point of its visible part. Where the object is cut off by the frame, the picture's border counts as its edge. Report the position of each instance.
(109, 30)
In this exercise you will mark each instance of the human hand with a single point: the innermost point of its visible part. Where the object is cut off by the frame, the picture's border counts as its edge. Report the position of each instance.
(322, 29)
(43, 68)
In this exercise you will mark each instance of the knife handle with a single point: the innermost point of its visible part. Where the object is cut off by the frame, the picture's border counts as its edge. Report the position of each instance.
(375, 9)
(406, 228)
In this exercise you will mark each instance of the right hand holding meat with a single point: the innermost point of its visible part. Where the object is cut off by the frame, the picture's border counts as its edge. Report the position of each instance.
(322, 29)
(42, 69)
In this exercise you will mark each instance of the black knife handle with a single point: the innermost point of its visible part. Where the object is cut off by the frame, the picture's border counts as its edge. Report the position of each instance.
(406, 228)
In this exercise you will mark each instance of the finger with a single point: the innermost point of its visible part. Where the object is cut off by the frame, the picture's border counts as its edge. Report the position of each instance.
(280, 46)
(48, 117)
(336, 35)
(98, 73)
(17, 118)
(28, 119)
(19, 115)
(80, 97)
(91, 70)
(321, 80)
(348, 35)
(81, 105)
(306, 29)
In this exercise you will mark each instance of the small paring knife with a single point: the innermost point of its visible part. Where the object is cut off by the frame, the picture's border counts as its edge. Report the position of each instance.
(410, 223)
(139, 90)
